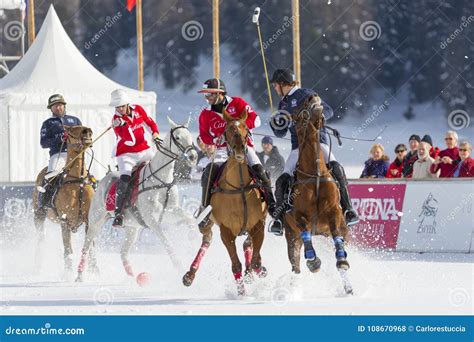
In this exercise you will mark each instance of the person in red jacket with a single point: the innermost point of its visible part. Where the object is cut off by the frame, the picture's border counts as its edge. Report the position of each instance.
(131, 148)
(395, 170)
(448, 159)
(211, 130)
(465, 167)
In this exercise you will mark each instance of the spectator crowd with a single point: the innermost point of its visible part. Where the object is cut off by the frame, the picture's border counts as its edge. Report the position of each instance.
(423, 160)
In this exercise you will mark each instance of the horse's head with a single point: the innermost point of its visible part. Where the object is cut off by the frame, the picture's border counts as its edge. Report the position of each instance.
(78, 137)
(181, 142)
(236, 135)
(311, 112)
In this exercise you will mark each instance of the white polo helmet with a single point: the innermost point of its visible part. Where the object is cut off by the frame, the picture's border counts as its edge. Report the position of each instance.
(119, 97)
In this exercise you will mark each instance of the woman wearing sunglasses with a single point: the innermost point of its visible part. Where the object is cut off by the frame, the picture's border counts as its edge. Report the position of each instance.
(395, 170)
(465, 167)
(448, 159)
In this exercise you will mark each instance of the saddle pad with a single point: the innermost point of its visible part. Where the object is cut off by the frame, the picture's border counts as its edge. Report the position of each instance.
(111, 193)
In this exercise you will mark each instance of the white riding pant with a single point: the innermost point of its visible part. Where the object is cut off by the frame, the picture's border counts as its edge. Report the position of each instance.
(127, 161)
(252, 158)
(292, 159)
(57, 161)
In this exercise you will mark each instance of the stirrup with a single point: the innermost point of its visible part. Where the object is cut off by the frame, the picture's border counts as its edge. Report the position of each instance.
(202, 213)
(118, 221)
(354, 220)
(276, 227)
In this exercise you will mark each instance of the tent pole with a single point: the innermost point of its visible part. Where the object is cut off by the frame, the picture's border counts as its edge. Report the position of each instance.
(215, 37)
(31, 22)
(140, 45)
(296, 40)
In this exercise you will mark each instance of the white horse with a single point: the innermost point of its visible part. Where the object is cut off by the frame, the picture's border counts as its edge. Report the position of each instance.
(157, 191)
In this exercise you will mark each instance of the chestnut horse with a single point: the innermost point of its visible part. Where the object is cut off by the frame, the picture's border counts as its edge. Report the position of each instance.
(237, 207)
(73, 198)
(315, 195)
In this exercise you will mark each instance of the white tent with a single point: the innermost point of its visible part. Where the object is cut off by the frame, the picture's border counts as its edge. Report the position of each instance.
(52, 65)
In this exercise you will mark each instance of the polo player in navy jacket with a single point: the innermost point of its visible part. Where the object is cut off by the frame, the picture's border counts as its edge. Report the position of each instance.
(54, 138)
(293, 97)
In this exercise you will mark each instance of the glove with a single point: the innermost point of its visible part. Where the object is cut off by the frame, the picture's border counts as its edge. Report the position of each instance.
(64, 136)
(118, 122)
(158, 141)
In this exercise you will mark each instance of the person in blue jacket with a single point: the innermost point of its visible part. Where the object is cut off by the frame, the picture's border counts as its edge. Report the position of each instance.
(292, 97)
(53, 137)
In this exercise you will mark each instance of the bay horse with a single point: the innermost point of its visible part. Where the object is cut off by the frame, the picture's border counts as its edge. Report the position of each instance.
(315, 195)
(72, 201)
(156, 191)
(237, 208)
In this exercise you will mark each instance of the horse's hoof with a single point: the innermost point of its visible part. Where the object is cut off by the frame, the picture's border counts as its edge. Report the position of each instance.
(79, 278)
(188, 278)
(314, 265)
(248, 276)
(261, 272)
(342, 264)
(295, 270)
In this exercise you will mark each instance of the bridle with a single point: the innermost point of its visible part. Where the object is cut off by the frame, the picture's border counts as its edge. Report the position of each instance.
(236, 134)
(183, 149)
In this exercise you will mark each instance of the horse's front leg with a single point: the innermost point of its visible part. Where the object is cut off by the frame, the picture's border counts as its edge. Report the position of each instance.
(131, 236)
(294, 244)
(257, 235)
(304, 225)
(228, 239)
(188, 278)
(66, 234)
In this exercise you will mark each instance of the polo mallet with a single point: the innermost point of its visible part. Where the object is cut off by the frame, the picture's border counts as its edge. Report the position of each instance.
(55, 173)
(256, 15)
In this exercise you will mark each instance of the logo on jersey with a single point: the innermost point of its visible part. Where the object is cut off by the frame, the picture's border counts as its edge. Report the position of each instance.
(231, 110)
(294, 103)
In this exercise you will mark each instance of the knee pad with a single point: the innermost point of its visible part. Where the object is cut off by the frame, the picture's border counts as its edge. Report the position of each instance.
(283, 180)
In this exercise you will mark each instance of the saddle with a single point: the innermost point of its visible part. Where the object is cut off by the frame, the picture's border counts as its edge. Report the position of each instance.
(215, 182)
(132, 191)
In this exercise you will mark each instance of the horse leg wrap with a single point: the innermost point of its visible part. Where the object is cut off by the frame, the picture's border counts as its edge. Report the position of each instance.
(128, 268)
(339, 244)
(248, 253)
(202, 251)
(82, 263)
(309, 252)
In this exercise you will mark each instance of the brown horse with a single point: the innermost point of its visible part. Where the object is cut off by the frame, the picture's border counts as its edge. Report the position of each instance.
(238, 208)
(74, 194)
(315, 197)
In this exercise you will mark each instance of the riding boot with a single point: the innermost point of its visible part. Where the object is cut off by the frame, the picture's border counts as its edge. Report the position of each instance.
(120, 199)
(43, 195)
(207, 179)
(267, 187)
(350, 214)
(281, 189)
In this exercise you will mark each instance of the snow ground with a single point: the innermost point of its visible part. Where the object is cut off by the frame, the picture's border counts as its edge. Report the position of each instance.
(384, 282)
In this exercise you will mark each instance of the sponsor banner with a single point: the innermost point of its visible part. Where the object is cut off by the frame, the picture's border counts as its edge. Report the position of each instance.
(437, 217)
(379, 207)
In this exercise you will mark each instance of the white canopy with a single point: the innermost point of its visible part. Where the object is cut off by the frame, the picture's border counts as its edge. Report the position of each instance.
(12, 4)
(52, 65)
